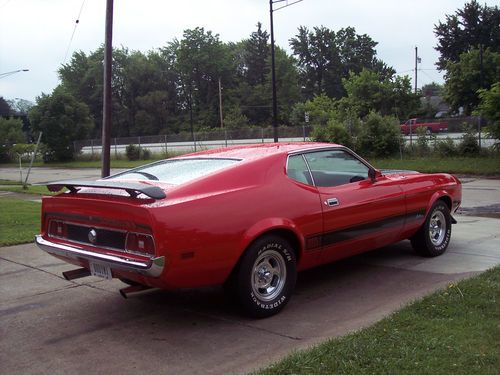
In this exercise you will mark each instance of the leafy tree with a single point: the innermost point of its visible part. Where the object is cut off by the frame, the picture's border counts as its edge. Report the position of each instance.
(20, 106)
(366, 92)
(465, 30)
(62, 119)
(325, 58)
(5, 109)
(201, 60)
(432, 89)
(11, 132)
(463, 78)
(489, 107)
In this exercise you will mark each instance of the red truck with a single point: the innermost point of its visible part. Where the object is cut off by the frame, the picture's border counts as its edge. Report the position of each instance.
(411, 125)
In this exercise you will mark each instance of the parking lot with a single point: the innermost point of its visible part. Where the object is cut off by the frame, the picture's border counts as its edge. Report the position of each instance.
(50, 325)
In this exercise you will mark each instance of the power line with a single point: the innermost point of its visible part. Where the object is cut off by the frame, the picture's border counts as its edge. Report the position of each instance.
(74, 30)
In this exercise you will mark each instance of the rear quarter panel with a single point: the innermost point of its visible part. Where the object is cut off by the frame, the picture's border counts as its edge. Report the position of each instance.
(206, 226)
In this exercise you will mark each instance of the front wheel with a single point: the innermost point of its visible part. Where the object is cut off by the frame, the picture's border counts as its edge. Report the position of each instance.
(266, 276)
(433, 238)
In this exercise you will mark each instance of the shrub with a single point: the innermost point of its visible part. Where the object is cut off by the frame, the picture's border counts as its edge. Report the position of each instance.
(469, 145)
(422, 144)
(146, 154)
(379, 136)
(133, 152)
(445, 147)
(332, 133)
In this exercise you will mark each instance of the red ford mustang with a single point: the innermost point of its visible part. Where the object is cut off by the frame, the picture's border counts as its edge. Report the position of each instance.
(247, 217)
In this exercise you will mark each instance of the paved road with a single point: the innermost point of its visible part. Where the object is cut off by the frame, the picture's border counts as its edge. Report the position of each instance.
(50, 325)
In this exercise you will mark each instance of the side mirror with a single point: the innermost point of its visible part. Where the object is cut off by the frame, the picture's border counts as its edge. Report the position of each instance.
(374, 174)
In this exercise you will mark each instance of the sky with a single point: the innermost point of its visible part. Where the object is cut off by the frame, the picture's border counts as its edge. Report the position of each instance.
(40, 35)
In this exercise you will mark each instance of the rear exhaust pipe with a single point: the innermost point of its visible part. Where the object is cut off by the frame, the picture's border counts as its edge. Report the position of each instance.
(76, 274)
(133, 289)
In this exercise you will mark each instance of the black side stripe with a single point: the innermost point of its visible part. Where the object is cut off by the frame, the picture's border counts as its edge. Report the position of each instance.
(330, 238)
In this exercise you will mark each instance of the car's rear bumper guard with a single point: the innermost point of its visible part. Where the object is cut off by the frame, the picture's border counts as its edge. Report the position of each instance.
(152, 268)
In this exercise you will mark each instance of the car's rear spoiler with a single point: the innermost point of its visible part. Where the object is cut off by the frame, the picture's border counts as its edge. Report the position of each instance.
(133, 188)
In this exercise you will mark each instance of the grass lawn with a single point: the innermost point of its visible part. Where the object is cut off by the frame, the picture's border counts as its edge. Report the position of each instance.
(453, 331)
(19, 221)
(31, 189)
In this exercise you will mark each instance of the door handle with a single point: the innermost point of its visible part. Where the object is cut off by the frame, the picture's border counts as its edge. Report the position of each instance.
(331, 202)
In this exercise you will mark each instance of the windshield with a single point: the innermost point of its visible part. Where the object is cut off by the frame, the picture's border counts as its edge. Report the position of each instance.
(177, 171)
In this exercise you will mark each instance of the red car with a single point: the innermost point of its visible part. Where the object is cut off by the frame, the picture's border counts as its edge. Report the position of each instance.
(247, 217)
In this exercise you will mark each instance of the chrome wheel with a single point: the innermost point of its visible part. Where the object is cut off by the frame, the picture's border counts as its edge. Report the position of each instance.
(437, 228)
(268, 276)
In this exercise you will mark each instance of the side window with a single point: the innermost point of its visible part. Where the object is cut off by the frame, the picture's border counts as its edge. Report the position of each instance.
(335, 167)
(297, 169)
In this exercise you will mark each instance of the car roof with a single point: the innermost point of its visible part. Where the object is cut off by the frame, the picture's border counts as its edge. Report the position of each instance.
(258, 151)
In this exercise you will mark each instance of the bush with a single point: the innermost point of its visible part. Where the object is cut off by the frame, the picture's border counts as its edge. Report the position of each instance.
(332, 133)
(133, 152)
(422, 145)
(469, 145)
(445, 147)
(379, 136)
(146, 154)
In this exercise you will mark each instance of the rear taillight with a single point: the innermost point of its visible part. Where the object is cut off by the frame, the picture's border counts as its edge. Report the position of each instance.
(140, 243)
(57, 229)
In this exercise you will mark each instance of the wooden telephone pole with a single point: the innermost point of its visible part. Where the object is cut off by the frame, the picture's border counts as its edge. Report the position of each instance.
(106, 106)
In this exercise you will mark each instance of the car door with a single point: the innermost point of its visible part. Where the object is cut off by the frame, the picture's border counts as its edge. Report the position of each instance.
(358, 213)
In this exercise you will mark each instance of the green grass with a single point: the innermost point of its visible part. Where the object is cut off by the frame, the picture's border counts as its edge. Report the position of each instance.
(30, 189)
(19, 221)
(453, 331)
(458, 165)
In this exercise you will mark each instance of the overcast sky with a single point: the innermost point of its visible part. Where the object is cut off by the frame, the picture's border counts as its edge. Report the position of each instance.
(36, 34)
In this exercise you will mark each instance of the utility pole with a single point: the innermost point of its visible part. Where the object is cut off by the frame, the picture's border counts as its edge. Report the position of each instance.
(273, 64)
(220, 106)
(273, 70)
(416, 70)
(106, 106)
(481, 86)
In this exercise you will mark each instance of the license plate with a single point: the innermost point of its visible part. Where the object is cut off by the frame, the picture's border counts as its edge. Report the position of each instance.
(100, 270)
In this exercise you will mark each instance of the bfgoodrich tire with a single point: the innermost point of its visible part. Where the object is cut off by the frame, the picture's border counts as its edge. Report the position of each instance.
(266, 276)
(433, 238)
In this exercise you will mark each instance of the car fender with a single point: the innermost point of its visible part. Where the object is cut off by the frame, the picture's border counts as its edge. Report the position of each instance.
(268, 225)
(438, 195)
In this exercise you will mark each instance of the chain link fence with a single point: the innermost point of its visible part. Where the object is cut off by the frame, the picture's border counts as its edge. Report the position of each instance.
(216, 138)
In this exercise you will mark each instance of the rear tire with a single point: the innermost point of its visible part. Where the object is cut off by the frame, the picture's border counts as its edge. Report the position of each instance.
(265, 278)
(433, 238)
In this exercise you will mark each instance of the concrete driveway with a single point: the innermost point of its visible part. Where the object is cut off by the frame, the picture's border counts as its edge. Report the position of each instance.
(50, 325)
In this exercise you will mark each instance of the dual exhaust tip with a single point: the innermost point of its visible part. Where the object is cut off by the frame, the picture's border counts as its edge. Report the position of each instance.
(84, 272)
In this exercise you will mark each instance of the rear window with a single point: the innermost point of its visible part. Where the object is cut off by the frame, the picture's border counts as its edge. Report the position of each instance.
(177, 171)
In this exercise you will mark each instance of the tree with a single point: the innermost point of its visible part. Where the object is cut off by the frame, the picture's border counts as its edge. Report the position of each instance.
(467, 29)
(463, 78)
(432, 89)
(201, 60)
(325, 58)
(11, 132)
(5, 109)
(366, 92)
(20, 106)
(489, 107)
(62, 119)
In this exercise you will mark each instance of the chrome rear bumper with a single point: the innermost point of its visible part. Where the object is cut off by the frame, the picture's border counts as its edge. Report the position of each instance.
(152, 268)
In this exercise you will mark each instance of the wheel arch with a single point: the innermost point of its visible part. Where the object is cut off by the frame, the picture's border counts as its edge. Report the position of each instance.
(280, 227)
